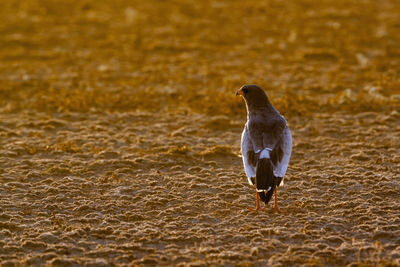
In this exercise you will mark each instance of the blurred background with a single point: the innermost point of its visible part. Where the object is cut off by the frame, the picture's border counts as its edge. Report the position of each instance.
(193, 55)
(120, 132)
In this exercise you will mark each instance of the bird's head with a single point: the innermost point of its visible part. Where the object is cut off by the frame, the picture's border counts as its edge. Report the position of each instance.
(254, 96)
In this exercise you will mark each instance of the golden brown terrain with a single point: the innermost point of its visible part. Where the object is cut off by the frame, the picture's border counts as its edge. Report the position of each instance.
(120, 132)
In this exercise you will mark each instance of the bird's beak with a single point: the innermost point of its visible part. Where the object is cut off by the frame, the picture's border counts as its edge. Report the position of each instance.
(239, 92)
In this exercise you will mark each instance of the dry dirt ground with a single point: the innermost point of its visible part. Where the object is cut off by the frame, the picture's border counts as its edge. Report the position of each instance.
(120, 132)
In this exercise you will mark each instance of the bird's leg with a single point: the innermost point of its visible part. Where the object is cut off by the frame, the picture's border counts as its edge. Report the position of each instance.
(276, 209)
(258, 206)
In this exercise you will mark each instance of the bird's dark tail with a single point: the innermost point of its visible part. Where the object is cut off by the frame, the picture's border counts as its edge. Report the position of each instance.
(265, 180)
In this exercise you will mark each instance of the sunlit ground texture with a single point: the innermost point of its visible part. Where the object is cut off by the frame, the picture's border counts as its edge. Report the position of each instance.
(120, 132)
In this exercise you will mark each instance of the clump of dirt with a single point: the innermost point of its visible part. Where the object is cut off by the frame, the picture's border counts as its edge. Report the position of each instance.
(218, 151)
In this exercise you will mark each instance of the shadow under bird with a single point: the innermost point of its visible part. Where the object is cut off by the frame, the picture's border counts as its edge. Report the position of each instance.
(266, 144)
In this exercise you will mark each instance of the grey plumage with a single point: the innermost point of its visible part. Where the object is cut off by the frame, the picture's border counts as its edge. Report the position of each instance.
(266, 142)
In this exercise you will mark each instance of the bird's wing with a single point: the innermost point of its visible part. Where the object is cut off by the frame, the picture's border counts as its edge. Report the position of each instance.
(280, 156)
(248, 155)
(264, 134)
(272, 139)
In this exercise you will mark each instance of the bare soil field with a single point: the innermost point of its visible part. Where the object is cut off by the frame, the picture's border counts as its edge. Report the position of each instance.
(120, 132)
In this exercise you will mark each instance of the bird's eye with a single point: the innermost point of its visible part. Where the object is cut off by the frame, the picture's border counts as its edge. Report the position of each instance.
(245, 90)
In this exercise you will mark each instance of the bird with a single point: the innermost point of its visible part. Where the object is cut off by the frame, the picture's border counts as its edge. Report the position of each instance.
(266, 145)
